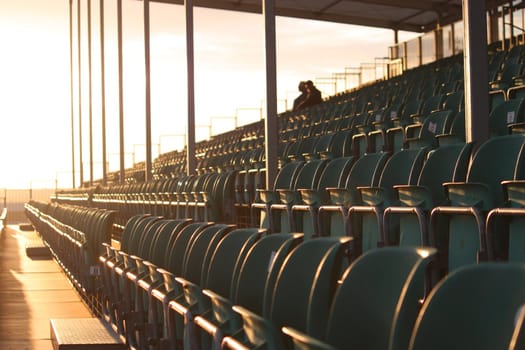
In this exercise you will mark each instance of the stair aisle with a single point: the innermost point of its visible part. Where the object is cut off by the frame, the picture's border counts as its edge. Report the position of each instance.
(33, 290)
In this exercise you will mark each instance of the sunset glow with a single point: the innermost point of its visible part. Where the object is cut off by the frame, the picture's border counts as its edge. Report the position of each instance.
(230, 79)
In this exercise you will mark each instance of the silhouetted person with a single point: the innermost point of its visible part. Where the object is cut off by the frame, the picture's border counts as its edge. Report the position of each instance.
(313, 96)
(297, 102)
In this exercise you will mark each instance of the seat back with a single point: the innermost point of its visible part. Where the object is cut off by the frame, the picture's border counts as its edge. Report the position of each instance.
(498, 159)
(334, 175)
(148, 238)
(454, 101)
(365, 172)
(507, 112)
(175, 253)
(195, 256)
(167, 232)
(444, 164)
(386, 302)
(475, 307)
(437, 123)
(231, 248)
(266, 255)
(341, 143)
(323, 144)
(129, 231)
(432, 103)
(305, 285)
(456, 132)
(308, 175)
(287, 175)
(402, 168)
(139, 234)
(307, 146)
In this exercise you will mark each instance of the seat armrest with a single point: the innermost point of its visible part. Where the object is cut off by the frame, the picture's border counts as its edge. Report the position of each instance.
(303, 341)
(288, 197)
(153, 272)
(170, 284)
(205, 196)
(339, 196)
(311, 197)
(110, 251)
(517, 128)
(259, 330)
(373, 196)
(222, 311)
(469, 194)
(514, 191)
(415, 196)
(192, 293)
(412, 130)
(267, 196)
(197, 196)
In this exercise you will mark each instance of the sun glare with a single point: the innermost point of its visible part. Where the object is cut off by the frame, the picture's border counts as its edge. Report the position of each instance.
(230, 80)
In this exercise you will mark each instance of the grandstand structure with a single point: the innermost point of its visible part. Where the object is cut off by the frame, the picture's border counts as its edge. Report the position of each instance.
(389, 216)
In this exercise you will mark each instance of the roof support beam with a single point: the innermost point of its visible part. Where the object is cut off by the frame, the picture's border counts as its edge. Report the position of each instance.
(416, 5)
(271, 133)
(332, 4)
(254, 7)
(476, 66)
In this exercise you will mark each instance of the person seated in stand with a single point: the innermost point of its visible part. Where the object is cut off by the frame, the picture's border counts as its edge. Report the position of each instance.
(301, 97)
(313, 96)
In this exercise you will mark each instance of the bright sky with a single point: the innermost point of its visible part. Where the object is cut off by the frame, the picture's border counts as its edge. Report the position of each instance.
(230, 79)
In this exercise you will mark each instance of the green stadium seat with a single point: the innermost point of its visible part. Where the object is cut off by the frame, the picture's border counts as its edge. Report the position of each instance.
(365, 220)
(424, 134)
(305, 215)
(307, 177)
(365, 171)
(376, 304)
(256, 275)
(145, 323)
(505, 114)
(443, 164)
(504, 230)
(463, 242)
(285, 180)
(456, 133)
(429, 105)
(475, 307)
(496, 97)
(196, 262)
(341, 144)
(301, 296)
(454, 101)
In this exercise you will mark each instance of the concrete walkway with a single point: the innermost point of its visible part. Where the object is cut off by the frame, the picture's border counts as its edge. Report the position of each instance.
(32, 290)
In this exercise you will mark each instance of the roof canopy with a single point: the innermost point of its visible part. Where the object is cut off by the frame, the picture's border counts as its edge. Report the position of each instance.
(409, 15)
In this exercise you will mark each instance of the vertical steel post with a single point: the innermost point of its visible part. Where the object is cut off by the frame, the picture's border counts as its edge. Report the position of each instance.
(120, 94)
(90, 94)
(476, 67)
(79, 33)
(271, 131)
(103, 93)
(71, 89)
(190, 142)
(148, 90)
